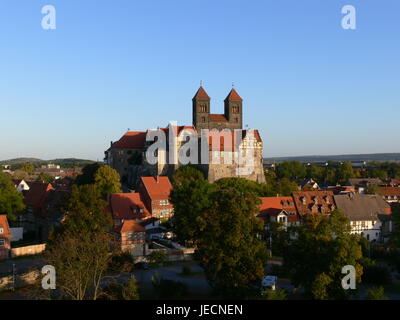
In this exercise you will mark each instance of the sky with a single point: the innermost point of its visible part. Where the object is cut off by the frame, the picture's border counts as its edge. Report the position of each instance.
(309, 86)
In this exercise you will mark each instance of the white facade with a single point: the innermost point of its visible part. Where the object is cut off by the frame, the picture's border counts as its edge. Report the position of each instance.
(22, 186)
(369, 229)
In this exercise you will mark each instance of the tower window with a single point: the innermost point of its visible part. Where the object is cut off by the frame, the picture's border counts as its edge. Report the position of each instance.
(235, 109)
(203, 119)
(203, 108)
(237, 120)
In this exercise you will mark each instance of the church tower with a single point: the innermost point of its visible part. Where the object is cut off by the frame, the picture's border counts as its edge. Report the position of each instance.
(233, 110)
(201, 109)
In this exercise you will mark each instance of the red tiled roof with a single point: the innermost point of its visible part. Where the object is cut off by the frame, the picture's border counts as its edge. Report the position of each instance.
(128, 206)
(271, 206)
(131, 140)
(314, 202)
(36, 195)
(233, 96)
(158, 188)
(390, 191)
(201, 94)
(130, 225)
(218, 118)
(5, 226)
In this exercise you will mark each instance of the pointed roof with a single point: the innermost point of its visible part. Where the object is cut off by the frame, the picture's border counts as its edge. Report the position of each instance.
(233, 95)
(201, 94)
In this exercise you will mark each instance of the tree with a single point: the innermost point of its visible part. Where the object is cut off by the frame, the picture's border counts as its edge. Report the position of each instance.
(373, 189)
(107, 180)
(285, 187)
(28, 168)
(86, 211)
(81, 260)
(315, 172)
(11, 201)
(81, 248)
(191, 198)
(122, 291)
(329, 239)
(44, 177)
(376, 293)
(278, 294)
(228, 244)
(88, 173)
(345, 172)
(292, 170)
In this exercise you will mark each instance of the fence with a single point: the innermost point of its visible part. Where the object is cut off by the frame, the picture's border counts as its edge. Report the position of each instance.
(28, 250)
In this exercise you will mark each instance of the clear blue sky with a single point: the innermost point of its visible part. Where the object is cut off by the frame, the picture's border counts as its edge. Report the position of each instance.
(308, 85)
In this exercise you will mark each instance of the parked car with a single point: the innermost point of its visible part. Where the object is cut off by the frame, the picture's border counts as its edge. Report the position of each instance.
(269, 282)
(142, 265)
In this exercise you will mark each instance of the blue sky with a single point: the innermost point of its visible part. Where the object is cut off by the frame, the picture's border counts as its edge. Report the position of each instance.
(308, 85)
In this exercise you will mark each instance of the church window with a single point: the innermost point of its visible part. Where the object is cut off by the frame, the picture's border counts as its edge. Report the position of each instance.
(235, 109)
(237, 120)
(203, 119)
(203, 108)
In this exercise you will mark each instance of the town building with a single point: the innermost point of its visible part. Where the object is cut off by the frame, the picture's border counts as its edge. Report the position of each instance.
(5, 237)
(131, 236)
(278, 209)
(390, 194)
(364, 213)
(314, 202)
(21, 185)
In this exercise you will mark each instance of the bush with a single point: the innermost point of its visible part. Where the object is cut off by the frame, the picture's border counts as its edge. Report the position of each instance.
(278, 294)
(125, 291)
(186, 271)
(158, 257)
(169, 289)
(376, 293)
(122, 262)
(377, 275)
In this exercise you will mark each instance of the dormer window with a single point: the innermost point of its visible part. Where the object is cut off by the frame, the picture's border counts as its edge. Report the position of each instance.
(1, 230)
(303, 200)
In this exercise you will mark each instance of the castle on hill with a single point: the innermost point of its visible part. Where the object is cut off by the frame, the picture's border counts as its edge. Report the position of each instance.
(224, 137)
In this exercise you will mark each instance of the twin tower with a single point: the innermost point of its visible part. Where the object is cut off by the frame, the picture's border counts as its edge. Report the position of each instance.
(232, 118)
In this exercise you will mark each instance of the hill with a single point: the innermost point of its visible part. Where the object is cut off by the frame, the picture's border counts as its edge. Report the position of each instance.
(390, 157)
(37, 161)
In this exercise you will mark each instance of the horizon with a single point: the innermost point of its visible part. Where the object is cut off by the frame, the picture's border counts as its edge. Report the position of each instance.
(308, 85)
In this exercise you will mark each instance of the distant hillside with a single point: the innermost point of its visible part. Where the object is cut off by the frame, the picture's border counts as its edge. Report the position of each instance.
(346, 157)
(35, 160)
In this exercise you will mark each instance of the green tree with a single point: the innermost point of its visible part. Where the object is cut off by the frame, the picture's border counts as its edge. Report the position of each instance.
(11, 201)
(292, 170)
(277, 294)
(285, 187)
(228, 244)
(28, 168)
(345, 172)
(191, 198)
(373, 189)
(88, 174)
(44, 177)
(376, 293)
(329, 239)
(315, 172)
(107, 180)
(86, 211)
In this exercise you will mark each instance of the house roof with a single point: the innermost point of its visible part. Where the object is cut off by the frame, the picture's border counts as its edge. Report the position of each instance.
(361, 206)
(131, 140)
(364, 181)
(130, 225)
(128, 206)
(233, 96)
(272, 206)
(201, 94)
(390, 191)
(317, 201)
(36, 195)
(148, 221)
(4, 225)
(218, 118)
(158, 188)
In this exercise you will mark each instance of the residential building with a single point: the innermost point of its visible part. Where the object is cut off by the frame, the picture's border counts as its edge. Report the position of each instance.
(131, 236)
(278, 209)
(364, 213)
(21, 185)
(361, 184)
(390, 194)
(5, 237)
(127, 206)
(156, 192)
(314, 202)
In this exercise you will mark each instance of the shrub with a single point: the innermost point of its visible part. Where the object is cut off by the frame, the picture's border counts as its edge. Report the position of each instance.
(278, 294)
(122, 262)
(376, 293)
(377, 275)
(158, 257)
(168, 289)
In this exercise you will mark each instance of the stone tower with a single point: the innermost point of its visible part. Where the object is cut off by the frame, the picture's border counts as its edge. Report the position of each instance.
(201, 109)
(233, 110)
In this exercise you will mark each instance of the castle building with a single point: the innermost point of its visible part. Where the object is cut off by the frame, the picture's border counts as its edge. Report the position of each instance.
(226, 140)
